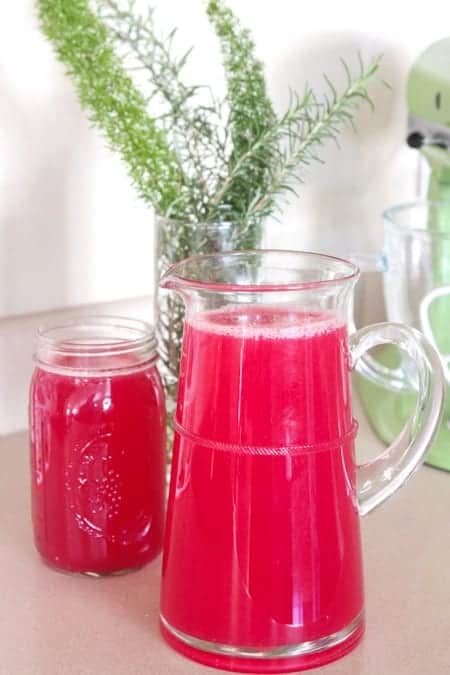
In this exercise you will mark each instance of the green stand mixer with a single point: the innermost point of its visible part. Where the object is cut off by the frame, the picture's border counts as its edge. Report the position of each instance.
(416, 260)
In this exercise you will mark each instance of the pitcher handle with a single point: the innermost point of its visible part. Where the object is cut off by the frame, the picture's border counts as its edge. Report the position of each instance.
(379, 478)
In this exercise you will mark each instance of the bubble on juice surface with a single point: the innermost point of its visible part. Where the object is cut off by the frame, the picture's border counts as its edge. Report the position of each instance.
(95, 490)
(266, 321)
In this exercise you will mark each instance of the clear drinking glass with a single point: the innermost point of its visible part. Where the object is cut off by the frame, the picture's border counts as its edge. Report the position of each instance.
(416, 264)
(97, 440)
(262, 567)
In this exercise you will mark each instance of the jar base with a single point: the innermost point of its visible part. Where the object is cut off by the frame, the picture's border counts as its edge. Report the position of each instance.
(292, 658)
(96, 574)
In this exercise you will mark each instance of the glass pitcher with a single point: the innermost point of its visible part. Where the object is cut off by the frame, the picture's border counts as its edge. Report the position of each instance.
(416, 279)
(262, 567)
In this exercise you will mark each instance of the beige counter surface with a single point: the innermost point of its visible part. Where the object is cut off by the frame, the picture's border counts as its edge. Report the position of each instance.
(53, 624)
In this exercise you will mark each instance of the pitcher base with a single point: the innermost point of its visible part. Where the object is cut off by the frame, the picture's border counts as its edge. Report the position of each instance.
(288, 659)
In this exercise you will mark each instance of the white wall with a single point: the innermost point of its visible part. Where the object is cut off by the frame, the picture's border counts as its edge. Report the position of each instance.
(71, 230)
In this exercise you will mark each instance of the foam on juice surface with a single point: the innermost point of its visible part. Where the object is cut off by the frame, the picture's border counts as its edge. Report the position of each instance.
(263, 321)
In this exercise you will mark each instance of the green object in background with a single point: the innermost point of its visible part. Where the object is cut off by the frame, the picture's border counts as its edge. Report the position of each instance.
(428, 92)
(428, 96)
(388, 411)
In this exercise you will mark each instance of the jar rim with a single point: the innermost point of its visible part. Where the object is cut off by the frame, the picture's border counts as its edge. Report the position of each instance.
(95, 336)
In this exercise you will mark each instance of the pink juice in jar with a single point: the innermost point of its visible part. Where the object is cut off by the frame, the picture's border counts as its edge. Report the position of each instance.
(97, 462)
(262, 544)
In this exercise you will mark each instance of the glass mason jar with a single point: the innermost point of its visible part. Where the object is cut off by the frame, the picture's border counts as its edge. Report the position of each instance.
(175, 241)
(97, 440)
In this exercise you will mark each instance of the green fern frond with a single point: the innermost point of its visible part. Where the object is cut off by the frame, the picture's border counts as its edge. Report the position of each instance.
(112, 101)
(298, 134)
(251, 111)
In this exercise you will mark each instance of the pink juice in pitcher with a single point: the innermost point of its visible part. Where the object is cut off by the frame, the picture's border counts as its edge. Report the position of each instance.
(266, 528)
(97, 462)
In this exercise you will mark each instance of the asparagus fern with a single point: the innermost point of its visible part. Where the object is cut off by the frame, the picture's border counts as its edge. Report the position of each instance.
(190, 159)
(251, 116)
(113, 102)
(193, 128)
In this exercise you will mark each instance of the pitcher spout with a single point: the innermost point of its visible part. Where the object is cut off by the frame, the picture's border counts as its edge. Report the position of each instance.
(169, 281)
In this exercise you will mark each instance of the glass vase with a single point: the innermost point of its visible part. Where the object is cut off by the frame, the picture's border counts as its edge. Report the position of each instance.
(175, 241)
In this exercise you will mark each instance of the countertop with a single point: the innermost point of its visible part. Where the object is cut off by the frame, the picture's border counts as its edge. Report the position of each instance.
(55, 624)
